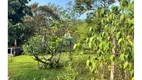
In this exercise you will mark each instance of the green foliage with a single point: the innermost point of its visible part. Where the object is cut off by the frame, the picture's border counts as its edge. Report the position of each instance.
(17, 9)
(111, 36)
(34, 46)
(107, 33)
(38, 46)
(86, 5)
(77, 46)
(29, 19)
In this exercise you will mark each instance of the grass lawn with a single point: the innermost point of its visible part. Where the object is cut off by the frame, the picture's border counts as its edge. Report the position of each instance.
(25, 68)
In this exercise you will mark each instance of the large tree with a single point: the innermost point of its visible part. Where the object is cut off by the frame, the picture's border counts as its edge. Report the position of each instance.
(17, 9)
(85, 5)
(43, 16)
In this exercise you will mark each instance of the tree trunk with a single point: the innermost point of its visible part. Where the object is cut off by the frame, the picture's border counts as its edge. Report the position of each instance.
(70, 46)
(112, 71)
(112, 63)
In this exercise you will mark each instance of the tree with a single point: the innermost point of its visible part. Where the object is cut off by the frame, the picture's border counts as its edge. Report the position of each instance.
(43, 16)
(49, 30)
(31, 24)
(41, 45)
(17, 9)
(111, 38)
(70, 13)
(86, 5)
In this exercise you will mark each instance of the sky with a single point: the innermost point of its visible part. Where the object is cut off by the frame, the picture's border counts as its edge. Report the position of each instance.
(44, 2)
(58, 2)
(61, 3)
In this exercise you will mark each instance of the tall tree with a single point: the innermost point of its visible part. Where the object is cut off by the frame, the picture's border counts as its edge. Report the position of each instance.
(43, 16)
(17, 9)
(85, 5)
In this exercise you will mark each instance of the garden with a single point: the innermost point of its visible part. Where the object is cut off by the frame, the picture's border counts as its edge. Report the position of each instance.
(58, 45)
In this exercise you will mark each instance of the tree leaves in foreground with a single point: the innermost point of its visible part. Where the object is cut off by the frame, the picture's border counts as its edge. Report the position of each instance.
(111, 40)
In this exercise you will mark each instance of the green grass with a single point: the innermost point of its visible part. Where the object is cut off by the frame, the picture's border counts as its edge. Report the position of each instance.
(25, 68)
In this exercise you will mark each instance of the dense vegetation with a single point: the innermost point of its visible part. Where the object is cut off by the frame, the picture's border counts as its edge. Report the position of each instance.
(97, 48)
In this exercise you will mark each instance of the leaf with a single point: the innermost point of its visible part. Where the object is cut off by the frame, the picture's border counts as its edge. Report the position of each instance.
(132, 72)
(87, 40)
(125, 64)
(74, 47)
(130, 42)
(108, 20)
(87, 63)
(121, 17)
(109, 67)
(106, 26)
(120, 40)
(90, 29)
(103, 34)
(126, 56)
(111, 58)
(103, 21)
(99, 39)
(102, 11)
(98, 52)
(121, 57)
(118, 35)
(102, 45)
(132, 21)
(111, 16)
(90, 45)
(108, 37)
(91, 39)
(128, 37)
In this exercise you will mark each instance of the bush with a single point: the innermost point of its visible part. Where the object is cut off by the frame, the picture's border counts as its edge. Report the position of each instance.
(40, 50)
